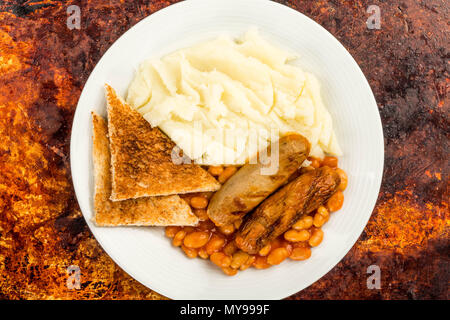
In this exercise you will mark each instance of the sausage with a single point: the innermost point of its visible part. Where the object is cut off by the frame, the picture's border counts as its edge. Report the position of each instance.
(281, 210)
(249, 186)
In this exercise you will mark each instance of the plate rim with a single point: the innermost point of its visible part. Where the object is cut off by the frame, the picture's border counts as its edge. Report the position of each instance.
(377, 183)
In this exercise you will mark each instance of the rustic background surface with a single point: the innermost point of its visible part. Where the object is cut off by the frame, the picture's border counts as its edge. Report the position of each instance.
(44, 65)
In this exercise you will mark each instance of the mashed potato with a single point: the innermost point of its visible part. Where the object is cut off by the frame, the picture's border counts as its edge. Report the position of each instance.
(222, 100)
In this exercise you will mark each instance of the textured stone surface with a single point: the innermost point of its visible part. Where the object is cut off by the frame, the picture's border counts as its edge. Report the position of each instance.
(44, 65)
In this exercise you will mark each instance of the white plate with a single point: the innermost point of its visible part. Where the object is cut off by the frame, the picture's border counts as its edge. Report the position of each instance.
(145, 253)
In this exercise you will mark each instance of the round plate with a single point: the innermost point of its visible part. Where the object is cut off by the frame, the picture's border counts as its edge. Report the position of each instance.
(144, 252)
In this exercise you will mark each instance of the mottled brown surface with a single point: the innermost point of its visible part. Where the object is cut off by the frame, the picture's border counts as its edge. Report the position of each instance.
(44, 65)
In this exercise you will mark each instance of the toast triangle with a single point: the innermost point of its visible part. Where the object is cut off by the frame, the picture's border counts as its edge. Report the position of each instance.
(141, 158)
(149, 211)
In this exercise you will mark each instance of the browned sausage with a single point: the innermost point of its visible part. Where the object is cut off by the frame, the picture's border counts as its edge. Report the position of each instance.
(281, 210)
(248, 187)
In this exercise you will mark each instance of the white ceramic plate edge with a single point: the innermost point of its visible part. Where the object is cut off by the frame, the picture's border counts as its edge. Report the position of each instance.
(85, 206)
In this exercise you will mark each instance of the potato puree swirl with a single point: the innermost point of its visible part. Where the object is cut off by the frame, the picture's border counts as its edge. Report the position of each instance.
(222, 100)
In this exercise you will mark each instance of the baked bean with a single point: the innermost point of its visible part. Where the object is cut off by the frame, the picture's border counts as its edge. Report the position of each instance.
(220, 259)
(335, 202)
(199, 202)
(247, 263)
(280, 243)
(344, 179)
(321, 217)
(178, 238)
(238, 259)
(229, 271)
(300, 244)
(261, 263)
(206, 225)
(277, 256)
(301, 253)
(265, 250)
(331, 162)
(189, 229)
(237, 223)
(316, 237)
(196, 239)
(288, 246)
(201, 214)
(171, 231)
(276, 243)
(323, 211)
(305, 222)
(319, 220)
(230, 248)
(190, 252)
(214, 244)
(315, 162)
(215, 170)
(226, 174)
(202, 253)
(296, 235)
(227, 229)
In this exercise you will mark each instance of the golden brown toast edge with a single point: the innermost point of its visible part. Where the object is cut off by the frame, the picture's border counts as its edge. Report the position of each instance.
(154, 211)
(160, 176)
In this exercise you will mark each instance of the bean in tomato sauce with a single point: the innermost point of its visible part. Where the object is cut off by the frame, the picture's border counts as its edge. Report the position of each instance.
(208, 241)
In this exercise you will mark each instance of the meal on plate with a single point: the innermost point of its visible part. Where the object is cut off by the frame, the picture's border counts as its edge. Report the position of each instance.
(229, 146)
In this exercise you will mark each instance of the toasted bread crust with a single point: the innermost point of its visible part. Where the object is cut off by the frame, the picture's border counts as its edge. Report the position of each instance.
(141, 157)
(149, 211)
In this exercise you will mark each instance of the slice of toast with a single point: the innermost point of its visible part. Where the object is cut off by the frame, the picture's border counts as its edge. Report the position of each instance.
(149, 211)
(141, 158)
